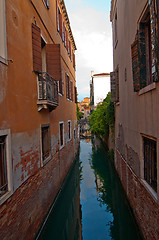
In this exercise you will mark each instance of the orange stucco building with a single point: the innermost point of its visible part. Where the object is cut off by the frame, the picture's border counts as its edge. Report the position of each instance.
(38, 123)
(84, 107)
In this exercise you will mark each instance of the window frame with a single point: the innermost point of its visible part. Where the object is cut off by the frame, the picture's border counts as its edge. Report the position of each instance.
(150, 163)
(9, 169)
(3, 34)
(44, 161)
(61, 146)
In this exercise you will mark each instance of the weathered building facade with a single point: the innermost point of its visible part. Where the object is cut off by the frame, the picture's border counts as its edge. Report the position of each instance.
(135, 91)
(38, 123)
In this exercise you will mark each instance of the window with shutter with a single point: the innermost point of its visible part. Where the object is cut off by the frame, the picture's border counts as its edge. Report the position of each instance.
(53, 61)
(36, 44)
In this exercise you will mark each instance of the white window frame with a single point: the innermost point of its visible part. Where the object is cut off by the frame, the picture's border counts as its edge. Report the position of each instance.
(3, 34)
(61, 146)
(7, 133)
(69, 139)
(43, 162)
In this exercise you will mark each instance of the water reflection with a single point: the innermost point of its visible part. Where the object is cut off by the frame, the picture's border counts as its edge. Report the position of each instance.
(64, 221)
(105, 211)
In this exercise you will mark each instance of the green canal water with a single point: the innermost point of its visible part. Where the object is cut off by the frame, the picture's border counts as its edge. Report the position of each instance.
(92, 204)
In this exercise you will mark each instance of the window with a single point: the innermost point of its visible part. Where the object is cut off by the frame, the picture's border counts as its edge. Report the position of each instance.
(46, 3)
(58, 19)
(43, 55)
(3, 35)
(61, 134)
(114, 78)
(6, 187)
(45, 137)
(142, 54)
(69, 129)
(150, 162)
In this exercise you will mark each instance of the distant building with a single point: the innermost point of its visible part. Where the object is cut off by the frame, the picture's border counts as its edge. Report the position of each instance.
(99, 88)
(135, 92)
(84, 107)
(38, 122)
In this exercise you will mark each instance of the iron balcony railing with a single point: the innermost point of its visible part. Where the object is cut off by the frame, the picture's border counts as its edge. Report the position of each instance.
(47, 90)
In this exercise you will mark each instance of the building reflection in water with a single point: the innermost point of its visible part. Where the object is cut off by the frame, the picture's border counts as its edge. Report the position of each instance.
(64, 221)
(111, 195)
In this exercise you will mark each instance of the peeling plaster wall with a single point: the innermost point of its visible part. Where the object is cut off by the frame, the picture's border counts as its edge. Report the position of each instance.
(25, 156)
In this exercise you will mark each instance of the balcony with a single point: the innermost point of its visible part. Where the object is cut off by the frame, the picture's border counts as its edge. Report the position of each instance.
(47, 92)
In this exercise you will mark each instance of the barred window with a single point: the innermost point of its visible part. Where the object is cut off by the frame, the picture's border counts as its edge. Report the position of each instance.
(150, 162)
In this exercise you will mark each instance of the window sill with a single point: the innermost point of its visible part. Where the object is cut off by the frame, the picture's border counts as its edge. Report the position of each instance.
(149, 189)
(5, 196)
(61, 146)
(44, 162)
(148, 88)
(3, 60)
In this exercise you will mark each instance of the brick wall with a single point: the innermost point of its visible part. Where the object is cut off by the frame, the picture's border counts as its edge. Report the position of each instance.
(22, 214)
(145, 208)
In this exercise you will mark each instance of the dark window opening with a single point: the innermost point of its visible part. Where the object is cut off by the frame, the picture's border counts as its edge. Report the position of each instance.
(45, 142)
(43, 55)
(69, 130)
(3, 166)
(61, 134)
(150, 162)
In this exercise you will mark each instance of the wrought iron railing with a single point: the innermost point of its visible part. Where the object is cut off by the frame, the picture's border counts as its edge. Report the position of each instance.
(47, 88)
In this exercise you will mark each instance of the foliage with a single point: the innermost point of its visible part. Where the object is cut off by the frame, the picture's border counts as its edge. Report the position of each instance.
(102, 119)
(79, 114)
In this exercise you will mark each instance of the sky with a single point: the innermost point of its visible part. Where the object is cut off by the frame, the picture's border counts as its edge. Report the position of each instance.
(91, 28)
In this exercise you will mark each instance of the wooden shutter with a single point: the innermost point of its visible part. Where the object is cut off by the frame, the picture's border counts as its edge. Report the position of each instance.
(53, 61)
(36, 44)
(154, 22)
(113, 86)
(135, 65)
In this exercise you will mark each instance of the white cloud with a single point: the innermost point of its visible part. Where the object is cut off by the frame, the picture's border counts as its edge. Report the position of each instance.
(92, 33)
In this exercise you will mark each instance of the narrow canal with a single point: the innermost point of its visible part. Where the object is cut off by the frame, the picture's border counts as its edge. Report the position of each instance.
(92, 204)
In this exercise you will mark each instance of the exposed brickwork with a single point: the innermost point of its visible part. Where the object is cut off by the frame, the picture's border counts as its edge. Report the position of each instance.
(22, 214)
(144, 206)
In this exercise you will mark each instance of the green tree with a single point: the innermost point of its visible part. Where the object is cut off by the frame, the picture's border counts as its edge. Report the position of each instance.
(79, 114)
(102, 119)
